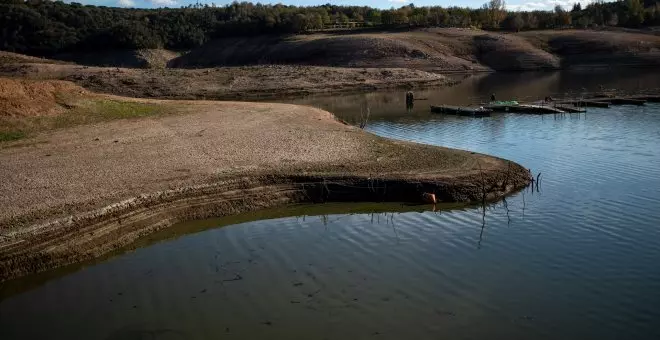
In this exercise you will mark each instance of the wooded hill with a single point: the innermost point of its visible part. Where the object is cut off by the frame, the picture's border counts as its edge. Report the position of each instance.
(45, 28)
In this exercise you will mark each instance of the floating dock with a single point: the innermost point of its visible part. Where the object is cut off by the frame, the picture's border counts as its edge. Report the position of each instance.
(625, 101)
(461, 111)
(524, 108)
(571, 109)
(650, 99)
(585, 103)
(561, 106)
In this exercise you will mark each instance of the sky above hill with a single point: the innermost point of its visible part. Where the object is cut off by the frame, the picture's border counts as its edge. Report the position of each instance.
(526, 5)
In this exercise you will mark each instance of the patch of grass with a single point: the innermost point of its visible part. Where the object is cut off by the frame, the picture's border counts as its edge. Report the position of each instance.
(100, 110)
(7, 136)
(114, 109)
(78, 112)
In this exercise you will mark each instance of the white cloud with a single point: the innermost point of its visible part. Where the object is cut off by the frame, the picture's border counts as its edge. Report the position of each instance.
(400, 1)
(163, 3)
(544, 5)
(126, 3)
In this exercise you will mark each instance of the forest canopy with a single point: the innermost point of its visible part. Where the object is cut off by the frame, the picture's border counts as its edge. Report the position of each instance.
(42, 27)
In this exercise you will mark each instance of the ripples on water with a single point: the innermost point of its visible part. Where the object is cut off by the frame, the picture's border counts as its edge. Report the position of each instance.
(577, 260)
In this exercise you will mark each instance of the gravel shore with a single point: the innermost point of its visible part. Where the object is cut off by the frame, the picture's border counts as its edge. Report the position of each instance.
(77, 193)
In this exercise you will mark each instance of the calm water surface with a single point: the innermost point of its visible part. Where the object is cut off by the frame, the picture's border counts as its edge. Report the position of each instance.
(578, 260)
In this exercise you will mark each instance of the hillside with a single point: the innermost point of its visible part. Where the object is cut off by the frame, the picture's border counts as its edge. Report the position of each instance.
(16, 58)
(50, 28)
(142, 58)
(226, 82)
(303, 64)
(437, 49)
(24, 98)
(598, 48)
(440, 50)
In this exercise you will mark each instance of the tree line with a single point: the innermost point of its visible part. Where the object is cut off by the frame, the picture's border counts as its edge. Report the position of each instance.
(43, 27)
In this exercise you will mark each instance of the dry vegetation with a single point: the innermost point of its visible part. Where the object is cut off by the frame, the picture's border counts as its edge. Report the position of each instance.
(15, 58)
(28, 107)
(26, 98)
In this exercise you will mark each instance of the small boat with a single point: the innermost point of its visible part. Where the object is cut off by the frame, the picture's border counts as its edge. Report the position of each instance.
(461, 110)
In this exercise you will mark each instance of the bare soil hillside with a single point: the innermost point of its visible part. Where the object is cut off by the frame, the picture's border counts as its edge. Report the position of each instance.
(439, 50)
(598, 48)
(144, 58)
(304, 64)
(15, 58)
(435, 49)
(226, 82)
(26, 98)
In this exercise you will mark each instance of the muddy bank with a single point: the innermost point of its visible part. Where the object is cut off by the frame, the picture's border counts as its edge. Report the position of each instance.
(226, 82)
(212, 159)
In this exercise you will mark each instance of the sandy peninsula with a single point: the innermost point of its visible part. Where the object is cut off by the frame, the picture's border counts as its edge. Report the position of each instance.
(77, 192)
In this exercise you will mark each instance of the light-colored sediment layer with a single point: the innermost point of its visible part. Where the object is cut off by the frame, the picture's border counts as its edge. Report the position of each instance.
(60, 189)
(226, 82)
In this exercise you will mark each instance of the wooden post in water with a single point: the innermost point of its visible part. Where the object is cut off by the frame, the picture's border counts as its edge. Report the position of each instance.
(410, 100)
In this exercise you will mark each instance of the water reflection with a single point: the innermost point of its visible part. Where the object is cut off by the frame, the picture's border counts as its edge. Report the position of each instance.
(475, 89)
(293, 277)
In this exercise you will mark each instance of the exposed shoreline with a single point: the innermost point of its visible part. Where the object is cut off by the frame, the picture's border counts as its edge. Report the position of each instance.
(79, 193)
(227, 83)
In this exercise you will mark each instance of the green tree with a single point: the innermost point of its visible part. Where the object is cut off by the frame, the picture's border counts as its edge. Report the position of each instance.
(513, 22)
(634, 13)
(563, 19)
(496, 10)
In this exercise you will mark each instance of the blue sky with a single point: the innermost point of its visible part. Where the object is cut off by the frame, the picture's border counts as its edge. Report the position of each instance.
(511, 4)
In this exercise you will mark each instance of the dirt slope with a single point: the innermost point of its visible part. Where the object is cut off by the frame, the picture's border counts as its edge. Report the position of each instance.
(425, 50)
(25, 98)
(435, 49)
(598, 48)
(144, 58)
(16, 58)
(226, 82)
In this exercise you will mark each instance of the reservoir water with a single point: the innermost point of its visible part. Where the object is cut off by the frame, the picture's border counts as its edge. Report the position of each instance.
(577, 259)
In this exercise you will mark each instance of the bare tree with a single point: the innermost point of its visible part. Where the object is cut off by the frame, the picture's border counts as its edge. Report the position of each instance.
(496, 12)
